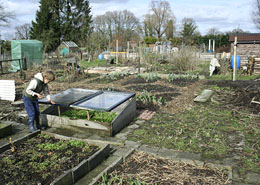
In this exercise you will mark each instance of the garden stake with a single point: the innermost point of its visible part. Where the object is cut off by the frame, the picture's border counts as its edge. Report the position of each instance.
(88, 115)
(59, 111)
(12, 147)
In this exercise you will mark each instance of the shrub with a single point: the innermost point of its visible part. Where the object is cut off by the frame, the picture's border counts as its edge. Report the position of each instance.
(185, 60)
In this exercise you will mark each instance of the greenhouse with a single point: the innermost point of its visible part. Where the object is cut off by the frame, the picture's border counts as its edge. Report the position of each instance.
(27, 52)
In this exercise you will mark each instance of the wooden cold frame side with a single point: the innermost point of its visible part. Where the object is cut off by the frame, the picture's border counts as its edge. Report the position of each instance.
(126, 115)
(50, 118)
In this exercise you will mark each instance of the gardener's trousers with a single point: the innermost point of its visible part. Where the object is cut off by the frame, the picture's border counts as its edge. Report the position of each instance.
(32, 109)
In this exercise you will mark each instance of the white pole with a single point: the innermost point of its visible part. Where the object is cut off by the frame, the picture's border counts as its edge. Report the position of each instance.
(209, 44)
(213, 46)
(235, 60)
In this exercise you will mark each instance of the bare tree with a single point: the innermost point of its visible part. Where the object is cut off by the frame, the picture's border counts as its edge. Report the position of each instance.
(256, 14)
(5, 16)
(160, 16)
(23, 31)
(149, 25)
(109, 26)
(213, 31)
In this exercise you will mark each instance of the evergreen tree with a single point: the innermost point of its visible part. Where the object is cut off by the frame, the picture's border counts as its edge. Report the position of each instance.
(170, 30)
(67, 20)
(76, 20)
(188, 31)
(46, 27)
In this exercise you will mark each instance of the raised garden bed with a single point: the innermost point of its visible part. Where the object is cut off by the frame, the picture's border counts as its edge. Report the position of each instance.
(142, 168)
(44, 158)
(114, 120)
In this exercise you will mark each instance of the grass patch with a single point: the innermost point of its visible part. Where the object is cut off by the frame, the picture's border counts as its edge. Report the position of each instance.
(205, 129)
(217, 88)
(230, 77)
(96, 63)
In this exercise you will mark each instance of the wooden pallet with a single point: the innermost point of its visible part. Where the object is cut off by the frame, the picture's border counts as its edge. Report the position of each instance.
(257, 66)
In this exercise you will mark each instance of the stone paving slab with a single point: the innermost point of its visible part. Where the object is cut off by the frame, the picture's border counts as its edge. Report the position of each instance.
(204, 96)
(146, 115)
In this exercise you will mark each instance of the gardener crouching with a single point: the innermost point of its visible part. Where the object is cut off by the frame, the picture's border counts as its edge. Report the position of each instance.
(31, 94)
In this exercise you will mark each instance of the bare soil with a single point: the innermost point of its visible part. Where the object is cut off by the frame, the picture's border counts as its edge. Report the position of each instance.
(243, 93)
(177, 95)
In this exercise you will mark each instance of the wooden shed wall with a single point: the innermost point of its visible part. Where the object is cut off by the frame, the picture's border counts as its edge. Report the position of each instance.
(245, 51)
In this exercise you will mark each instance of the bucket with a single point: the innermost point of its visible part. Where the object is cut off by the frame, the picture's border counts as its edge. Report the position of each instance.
(238, 61)
(101, 57)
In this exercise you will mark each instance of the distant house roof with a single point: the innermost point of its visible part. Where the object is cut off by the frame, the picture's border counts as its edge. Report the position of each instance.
(70, 44)
(243, 37)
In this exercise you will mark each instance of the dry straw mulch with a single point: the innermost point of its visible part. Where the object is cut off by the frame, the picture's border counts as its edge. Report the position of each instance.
(151, 169)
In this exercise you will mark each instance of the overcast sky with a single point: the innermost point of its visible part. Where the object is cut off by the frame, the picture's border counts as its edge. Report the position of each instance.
(225, 15)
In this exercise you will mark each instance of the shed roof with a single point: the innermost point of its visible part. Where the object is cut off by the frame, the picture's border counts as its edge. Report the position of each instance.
(70, 44)
(245, 37)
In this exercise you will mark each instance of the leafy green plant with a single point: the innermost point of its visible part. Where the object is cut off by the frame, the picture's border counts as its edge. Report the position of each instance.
(109, 179)
(106, 117)
(151, 77)
(146, 97)
(76, 143)
(114, 76)
(112, 88)
(53, 146)
(7, 160)
(187, 76)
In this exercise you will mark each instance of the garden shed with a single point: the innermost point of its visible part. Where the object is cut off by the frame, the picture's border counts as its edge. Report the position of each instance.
(68, 47)
(28, 51)
(248, 45)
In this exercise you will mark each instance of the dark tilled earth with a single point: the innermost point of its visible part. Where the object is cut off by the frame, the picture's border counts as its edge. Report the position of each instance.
(243, 93)
(177, 95)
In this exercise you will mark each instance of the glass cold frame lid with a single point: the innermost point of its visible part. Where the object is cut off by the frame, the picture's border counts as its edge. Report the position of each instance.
(106, 101)
(71, 95)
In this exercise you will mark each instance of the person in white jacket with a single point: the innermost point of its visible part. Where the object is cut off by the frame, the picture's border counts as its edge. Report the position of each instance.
(214, 65)
(31, 94)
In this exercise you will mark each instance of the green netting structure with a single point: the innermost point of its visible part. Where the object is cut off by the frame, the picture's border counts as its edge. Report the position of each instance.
(64, 52)
(30, 50)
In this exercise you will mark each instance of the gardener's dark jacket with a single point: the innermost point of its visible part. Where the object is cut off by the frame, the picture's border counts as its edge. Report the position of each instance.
(35, 86)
